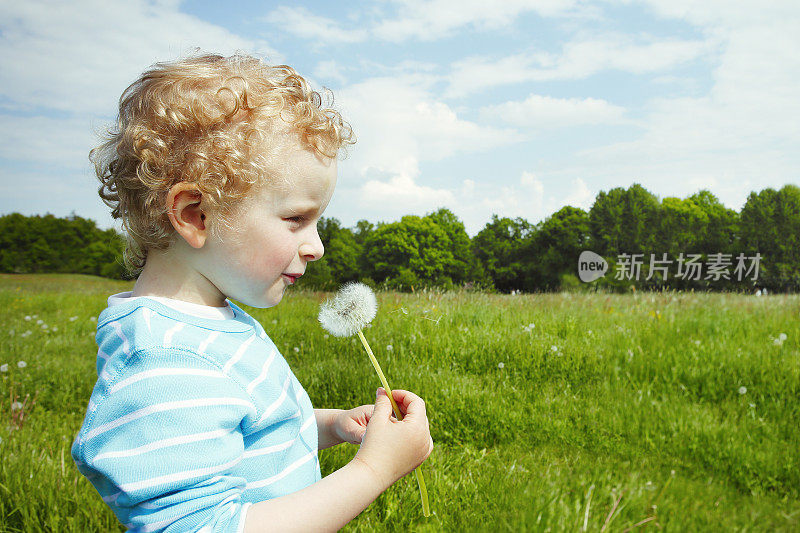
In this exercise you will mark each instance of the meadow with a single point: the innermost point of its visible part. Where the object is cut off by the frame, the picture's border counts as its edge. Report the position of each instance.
(550, 412)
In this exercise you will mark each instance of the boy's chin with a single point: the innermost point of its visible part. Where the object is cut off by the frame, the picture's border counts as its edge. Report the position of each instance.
(270, 299)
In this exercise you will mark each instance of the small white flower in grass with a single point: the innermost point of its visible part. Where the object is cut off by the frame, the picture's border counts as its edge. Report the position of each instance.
(73, 318)
(35, 316)
(353, 307)
(296, 349)
(4, 368)
(500, 365)
(742, 390)
(44, 326)
(39, 322)
(777, 342)
(274, 321)
(554, 348)
(27, 317)
(55, 328)
(93, 318)
(782, 337)
(22, 364)
(389, 348)
(16, 406)
(697, 343)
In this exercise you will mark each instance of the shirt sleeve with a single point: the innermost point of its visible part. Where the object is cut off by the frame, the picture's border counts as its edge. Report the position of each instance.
(160, 444)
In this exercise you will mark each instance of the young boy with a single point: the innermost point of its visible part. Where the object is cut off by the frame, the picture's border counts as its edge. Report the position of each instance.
(220, 169)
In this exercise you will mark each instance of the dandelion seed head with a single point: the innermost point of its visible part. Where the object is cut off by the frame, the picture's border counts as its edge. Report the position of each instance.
(782, 337)
(389, 348)
(742, 390)
(296, 349)
(27, 317)
(22, 364)
(4, 368)
(350, 310)
(16, 406)
(500, 365)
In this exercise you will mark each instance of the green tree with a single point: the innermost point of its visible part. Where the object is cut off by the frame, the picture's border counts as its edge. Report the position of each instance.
(555, 247)
(498, 247)
(770, 226)
(624, 221)
(410, 253)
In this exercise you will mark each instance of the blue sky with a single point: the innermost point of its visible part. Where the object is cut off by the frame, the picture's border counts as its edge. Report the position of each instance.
(515, 108)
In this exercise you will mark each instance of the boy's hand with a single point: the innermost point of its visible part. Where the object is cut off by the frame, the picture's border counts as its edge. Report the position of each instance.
(393, 448)
(350, 426)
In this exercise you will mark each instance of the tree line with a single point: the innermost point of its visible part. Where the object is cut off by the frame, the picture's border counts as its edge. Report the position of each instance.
(647, 243)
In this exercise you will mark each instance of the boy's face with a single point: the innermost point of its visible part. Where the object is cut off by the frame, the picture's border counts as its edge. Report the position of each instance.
(274, 232)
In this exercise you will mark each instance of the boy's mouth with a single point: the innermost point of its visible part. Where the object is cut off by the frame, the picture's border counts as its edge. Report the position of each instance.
(291, 278)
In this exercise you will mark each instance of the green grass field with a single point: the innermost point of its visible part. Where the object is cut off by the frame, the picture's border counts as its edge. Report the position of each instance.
(676, 412)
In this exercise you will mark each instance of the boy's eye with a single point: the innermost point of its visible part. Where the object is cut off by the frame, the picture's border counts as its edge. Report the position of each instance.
(298, 219)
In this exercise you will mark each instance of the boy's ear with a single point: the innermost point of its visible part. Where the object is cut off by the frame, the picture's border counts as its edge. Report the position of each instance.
(185, 213)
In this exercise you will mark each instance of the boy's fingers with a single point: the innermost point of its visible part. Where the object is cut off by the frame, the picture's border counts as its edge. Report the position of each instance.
(383, 407)
(409, 403)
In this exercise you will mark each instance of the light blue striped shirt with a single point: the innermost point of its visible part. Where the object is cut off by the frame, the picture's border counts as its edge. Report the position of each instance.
(192, 419)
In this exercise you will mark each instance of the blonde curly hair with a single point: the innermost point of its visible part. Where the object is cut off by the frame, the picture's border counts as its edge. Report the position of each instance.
(209, 120)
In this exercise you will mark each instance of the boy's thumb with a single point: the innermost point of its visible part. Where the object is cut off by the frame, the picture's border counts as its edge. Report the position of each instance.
(383, 407)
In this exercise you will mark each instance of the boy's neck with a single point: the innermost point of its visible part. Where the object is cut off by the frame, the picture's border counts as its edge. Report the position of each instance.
(167, 276)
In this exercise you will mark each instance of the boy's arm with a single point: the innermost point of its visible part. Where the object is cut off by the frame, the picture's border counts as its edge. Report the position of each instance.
(327, 505)
(325, 417)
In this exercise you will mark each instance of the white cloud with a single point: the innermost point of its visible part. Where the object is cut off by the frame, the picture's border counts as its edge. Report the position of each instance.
(743, 132)
(578, 59)
(78, 57)
(303, 23)
(397, 118)
(580, 195)
(422, 20)
(401, 195)
(544, 112)
(432, 20)
(59, 141)
(330, 70)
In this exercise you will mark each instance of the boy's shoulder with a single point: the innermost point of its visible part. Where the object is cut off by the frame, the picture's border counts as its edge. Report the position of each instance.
(144, 328)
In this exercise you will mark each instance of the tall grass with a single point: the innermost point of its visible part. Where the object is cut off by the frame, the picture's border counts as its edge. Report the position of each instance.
(549, 412)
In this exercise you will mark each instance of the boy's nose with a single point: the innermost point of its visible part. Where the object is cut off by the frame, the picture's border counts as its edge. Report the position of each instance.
(312, 248)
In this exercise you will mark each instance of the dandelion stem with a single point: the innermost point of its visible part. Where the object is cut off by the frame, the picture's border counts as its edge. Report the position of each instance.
(423, 492)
